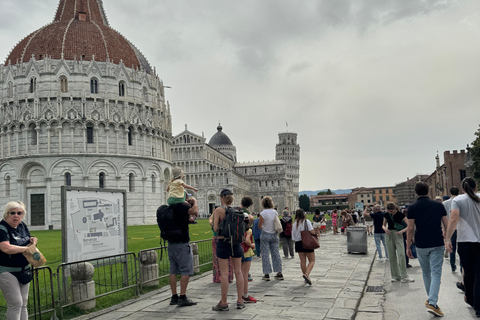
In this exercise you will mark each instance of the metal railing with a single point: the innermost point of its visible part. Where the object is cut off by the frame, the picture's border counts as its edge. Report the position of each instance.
(80, 283)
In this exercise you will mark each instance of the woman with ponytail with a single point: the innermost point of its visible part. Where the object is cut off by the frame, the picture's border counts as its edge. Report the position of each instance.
(465, 217)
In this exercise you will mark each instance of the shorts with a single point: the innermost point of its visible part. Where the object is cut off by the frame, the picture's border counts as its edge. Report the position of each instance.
(316, 225)
(369, 223)
(299, 247)
(247, 259)
(180, 256)
(226, 250)
(323, 227)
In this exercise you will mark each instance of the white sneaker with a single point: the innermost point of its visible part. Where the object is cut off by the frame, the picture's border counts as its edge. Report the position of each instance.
(407, 280)
(394, 280)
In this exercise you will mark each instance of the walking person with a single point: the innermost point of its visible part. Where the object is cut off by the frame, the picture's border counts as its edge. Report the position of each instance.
(425, 218)
(286, 234)
(334, 221)
(269, 240)
(14, 238)
(226, 250)
(395, 244)
(465, 217)
(378, 233)
(454, 192)
(302, 223)
(217, 275)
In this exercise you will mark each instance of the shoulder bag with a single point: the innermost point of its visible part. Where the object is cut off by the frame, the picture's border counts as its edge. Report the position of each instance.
(309, 241)
(24, 276)
(277, 225)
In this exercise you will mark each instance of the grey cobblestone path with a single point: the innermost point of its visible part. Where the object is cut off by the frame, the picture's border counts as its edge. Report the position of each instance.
(339, 280)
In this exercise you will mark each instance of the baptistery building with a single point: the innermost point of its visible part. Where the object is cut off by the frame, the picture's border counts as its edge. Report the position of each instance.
(211, 166)
(82, 106)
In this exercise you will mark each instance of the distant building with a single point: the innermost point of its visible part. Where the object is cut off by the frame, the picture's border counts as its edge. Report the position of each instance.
(212, 166)
(450, 173)
(383, 195)
(328, 202)
(405, 191)
(360, 195)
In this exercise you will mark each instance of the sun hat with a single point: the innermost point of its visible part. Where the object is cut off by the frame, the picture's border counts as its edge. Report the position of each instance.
(177, 172)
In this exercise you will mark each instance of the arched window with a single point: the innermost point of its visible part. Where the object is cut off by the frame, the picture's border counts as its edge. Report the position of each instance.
(68, 179)
(145, 94)
(32, 133)
(93, 85)
(154, 183)
(131, 182)
(130, 136)
(63, 84)
(33, 85)
(7, 186)
(10, 89)
(121, 89)
(89, 133)
(101, 180)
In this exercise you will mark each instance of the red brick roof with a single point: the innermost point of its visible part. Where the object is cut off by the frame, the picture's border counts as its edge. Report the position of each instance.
(80, 30)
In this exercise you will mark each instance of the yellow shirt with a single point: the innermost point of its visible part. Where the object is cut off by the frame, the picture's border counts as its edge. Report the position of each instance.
(176, 189)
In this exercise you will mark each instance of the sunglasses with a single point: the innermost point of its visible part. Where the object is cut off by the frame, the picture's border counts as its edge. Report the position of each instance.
(17, 213)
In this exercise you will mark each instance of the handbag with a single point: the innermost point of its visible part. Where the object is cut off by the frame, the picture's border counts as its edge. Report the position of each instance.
(309, 241)
(34, 256)
(278, 225)
(24, 276)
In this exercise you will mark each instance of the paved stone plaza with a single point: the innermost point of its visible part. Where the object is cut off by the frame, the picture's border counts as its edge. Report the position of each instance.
(339, 291)
(338, 282)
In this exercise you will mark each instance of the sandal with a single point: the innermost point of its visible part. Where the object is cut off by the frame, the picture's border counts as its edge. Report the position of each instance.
(307, 279)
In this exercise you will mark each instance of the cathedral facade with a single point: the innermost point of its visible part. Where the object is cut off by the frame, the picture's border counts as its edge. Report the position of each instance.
(81, 106)
(212, 166)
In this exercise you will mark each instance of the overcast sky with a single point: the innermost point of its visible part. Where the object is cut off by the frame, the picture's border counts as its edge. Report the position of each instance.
(374, 88)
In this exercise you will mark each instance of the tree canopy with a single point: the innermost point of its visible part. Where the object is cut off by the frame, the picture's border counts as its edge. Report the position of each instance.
(474, 155)
(323, 193)
(304, 202)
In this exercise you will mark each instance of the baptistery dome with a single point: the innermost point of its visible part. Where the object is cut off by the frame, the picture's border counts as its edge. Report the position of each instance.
(81, 106)
(79, 31)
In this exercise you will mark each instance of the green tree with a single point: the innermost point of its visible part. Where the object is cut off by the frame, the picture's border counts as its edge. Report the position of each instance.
(304, 202)
(474, 157)
(321, 193)
(329, 192)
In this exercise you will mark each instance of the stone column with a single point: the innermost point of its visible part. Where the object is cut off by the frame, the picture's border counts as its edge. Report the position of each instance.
(196, 258)
(149, 268)
(83, 287)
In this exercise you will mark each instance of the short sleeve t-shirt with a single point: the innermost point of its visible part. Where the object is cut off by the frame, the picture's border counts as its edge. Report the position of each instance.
(268, 225)
(176, 189)
(468, 228)
(428, 216)
(20, 237)
(181, 218)
(377, 221)
(391, 220)
(297, 229)
(448, 206)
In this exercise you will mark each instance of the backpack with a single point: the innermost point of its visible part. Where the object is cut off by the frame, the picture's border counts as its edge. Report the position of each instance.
(232, 227)
(288, 229)
(169, 231)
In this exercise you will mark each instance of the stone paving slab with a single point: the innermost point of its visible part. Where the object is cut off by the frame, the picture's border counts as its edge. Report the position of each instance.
(339, 279)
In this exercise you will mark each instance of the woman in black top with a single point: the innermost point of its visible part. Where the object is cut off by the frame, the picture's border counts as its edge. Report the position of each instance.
(394, 223)
(14, 237)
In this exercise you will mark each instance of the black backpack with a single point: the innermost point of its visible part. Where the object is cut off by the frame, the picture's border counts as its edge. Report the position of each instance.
(169, 231)
(232, 227)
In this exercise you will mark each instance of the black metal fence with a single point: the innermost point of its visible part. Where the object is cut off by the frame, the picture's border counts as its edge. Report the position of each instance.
(80, 283)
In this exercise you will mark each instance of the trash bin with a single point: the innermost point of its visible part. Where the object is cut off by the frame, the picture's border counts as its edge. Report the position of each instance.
(357, 239)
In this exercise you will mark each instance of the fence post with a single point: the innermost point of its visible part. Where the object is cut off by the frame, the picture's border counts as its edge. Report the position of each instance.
(196, 257)
(149, 268)
(83, 287)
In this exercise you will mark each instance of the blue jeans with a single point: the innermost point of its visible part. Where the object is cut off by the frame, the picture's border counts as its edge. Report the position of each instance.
(431, 261)
(380, 237)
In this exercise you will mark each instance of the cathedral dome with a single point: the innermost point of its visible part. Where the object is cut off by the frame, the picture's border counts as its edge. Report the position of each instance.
(220, 139)
(79, 31)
